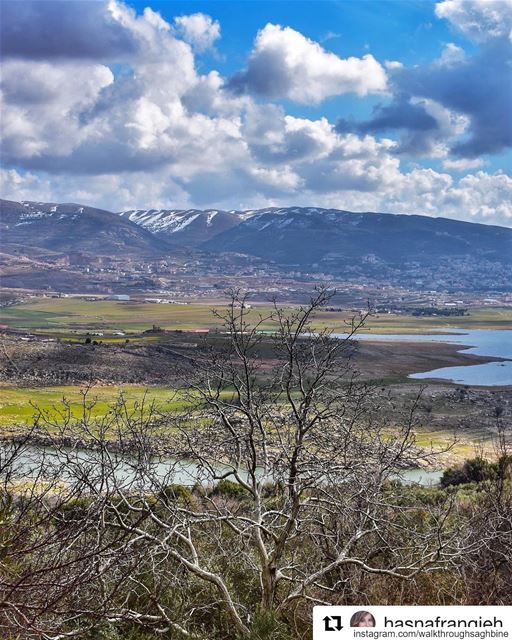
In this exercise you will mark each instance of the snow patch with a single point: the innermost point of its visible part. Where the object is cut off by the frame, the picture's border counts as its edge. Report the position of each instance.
(185, 223)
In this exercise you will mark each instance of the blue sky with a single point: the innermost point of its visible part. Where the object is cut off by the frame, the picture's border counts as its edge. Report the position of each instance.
(357, 104)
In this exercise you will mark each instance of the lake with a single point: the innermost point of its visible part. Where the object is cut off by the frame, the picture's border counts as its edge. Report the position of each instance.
(481, 342)
(163, 470)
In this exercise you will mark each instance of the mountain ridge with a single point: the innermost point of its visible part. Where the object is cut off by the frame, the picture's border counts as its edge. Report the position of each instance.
(297, 235)
(179, 226)
(412, 250)
(65, 227)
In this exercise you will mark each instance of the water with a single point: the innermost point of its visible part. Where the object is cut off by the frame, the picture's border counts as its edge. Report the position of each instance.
(67, 463)
(482, 342)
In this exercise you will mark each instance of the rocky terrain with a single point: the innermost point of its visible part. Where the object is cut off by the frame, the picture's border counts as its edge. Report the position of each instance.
(443, 410)
(41, 363)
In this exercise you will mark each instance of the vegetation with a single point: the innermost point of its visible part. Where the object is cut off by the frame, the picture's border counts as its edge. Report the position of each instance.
(436, 311)
(62, 315)
(19, 406)
(291, 500)
(476, 470)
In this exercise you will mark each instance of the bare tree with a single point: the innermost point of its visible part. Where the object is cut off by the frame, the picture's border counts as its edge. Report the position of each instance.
(316, 435)
(295, 498)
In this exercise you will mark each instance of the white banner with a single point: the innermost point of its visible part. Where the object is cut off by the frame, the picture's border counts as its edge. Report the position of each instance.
(415, 623)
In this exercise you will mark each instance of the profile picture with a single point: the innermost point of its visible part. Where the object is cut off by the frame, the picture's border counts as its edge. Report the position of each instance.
(362, 619)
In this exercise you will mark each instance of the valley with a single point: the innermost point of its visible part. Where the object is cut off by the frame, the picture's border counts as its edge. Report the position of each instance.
(124, 302)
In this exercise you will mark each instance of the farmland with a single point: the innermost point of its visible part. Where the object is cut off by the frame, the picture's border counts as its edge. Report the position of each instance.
(126, 355)
(19, 407)
(71, 315)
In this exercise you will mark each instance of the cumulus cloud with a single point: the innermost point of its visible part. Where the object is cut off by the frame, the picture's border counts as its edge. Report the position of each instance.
(401, 114)
(480, 197)
(54, 29)
(99, 123)
(40, 118)
(392, 64)
(286, 64)
(274, 137)
(451, 55)
(456, 104)
(424, 124)
(199, 30)
(463, 164)
(138, 125)
(112, 192)
(480, 20)
(479, 88)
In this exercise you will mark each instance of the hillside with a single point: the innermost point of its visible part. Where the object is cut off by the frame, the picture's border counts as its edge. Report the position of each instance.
(333, 239)
(190, 227)
(73, 247)
(65, 228)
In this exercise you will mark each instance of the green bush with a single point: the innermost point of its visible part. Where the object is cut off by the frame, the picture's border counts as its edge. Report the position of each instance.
(473, 470)
(176, 492)
(267, 626)
(229, 489)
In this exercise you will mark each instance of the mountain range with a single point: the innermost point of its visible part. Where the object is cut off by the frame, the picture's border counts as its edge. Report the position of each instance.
(307, 236)
(303, 239)
(190, 227)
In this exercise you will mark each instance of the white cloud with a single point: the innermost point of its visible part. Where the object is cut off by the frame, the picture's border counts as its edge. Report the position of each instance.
(156, 20)
(463, 164)
(451, 55)
(111, 192)
(481, 197)
(449, 124)
(199, 30)
(284, 63)
(275, 137)
(160, 134)
(41, 105)
(478, 19)
(393, 64)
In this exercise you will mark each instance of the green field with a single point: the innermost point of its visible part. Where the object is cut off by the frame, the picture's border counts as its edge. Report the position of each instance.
(63, 314)
(478, 318)
(67, 316)
(19, 406)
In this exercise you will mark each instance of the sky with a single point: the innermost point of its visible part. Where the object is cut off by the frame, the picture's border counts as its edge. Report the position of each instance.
(363, 105)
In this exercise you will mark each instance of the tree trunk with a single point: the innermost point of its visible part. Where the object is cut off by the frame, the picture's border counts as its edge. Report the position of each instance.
(269, 583)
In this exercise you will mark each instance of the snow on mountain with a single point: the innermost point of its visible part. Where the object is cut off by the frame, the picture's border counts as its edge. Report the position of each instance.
(335, 239)
(184, 226)
(73, 227)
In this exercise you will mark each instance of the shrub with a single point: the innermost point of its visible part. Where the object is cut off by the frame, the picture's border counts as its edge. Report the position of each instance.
(176, 492)
(473, 470)
(229, 489)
